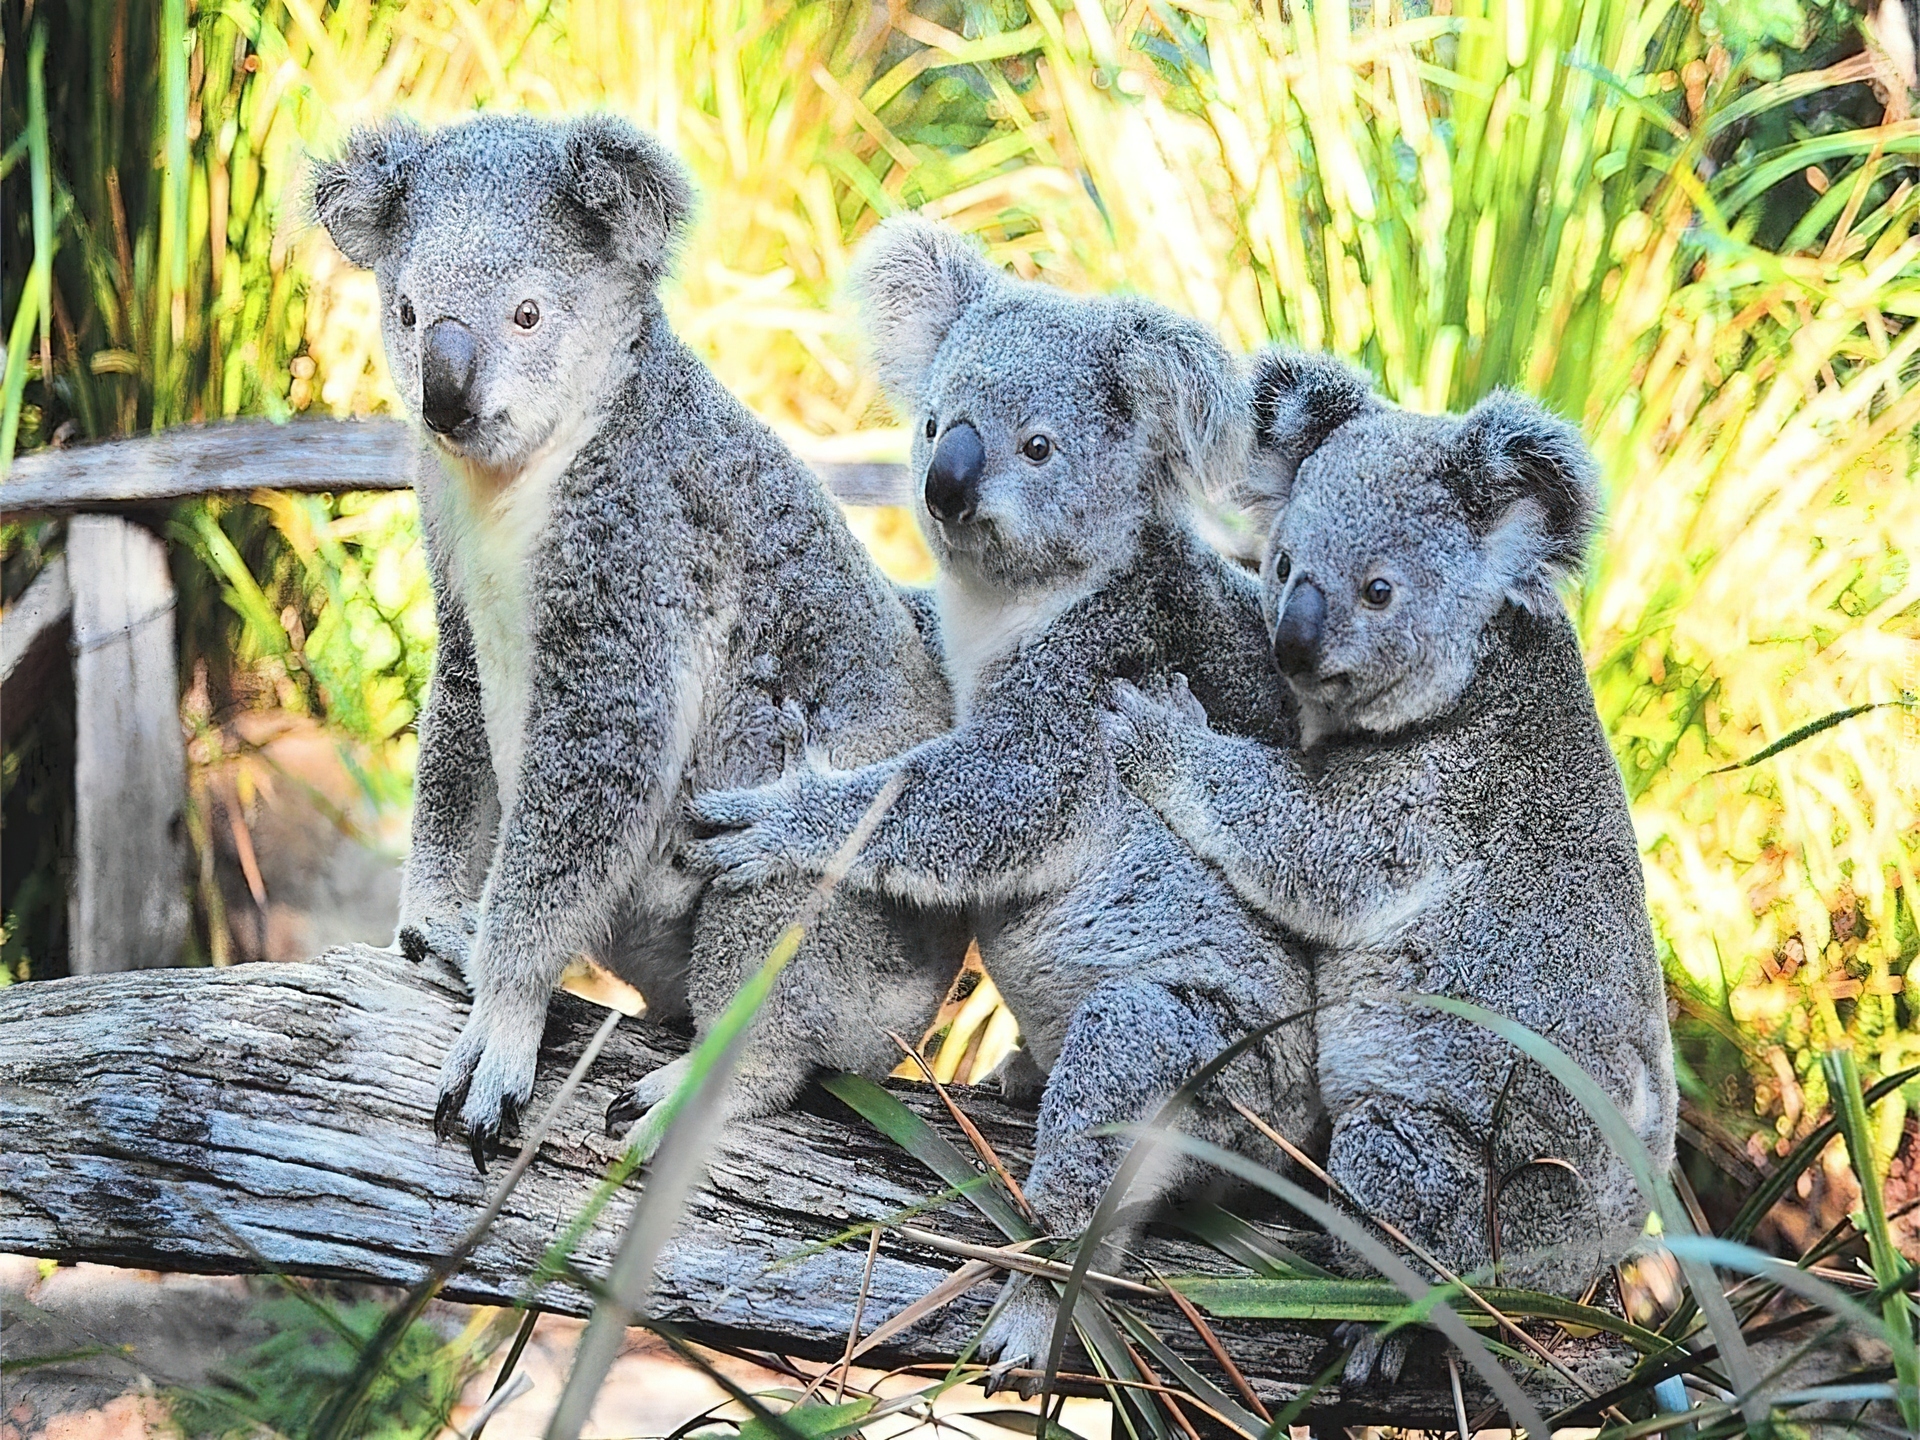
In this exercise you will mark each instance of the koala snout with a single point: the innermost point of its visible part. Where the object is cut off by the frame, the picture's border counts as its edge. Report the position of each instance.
(1296, 639)
(953, 476)
(448, 356)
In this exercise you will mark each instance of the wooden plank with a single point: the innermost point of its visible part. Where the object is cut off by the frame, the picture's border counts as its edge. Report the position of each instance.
(33, 645)
(277, 1118)
(240, 456)
(128, 906)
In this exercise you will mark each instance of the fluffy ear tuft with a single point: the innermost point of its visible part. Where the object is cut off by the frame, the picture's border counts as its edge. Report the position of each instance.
(1530, 485)
(1299, 399)
(631, 190)
(1185, 385)
(360, 194)
(913, 279)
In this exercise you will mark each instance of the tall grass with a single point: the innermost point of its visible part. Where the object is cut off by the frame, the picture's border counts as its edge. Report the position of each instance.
(1696, 241)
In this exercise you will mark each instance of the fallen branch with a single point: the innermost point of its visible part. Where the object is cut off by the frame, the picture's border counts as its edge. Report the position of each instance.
(277, 1118)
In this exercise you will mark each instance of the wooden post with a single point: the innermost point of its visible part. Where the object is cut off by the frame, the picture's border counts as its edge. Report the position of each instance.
(129, 906)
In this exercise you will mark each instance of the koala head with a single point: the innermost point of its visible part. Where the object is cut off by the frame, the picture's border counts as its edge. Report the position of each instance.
(517, 260)
(1046, 426)
(1397, 538)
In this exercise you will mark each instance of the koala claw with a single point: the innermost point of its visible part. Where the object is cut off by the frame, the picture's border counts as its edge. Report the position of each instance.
(1376, 1359)
(645, 1093)
(446, 1114)
(622, 1112)
(1000, 1377)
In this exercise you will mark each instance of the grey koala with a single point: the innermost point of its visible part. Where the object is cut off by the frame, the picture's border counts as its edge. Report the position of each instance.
(1055, 435)
(640, 593)
(1450, 823)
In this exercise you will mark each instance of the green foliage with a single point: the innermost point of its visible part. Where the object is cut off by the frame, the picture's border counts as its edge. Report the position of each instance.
(280, 1384)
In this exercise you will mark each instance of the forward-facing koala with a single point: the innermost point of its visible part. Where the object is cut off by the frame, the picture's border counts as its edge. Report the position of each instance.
(640, 593)
(1453, 823)
(1054, 434)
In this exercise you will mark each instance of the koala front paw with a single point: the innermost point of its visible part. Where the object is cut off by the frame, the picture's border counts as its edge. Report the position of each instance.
(487, 1080)
(750, 837)
(1139, 730)
(1019, 1337)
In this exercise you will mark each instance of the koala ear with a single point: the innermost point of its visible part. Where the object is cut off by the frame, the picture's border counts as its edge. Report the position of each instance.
(359, 195)
(913, 279)
(1183, 382)
(631, 190)
(1299, 399)
(1530, 486)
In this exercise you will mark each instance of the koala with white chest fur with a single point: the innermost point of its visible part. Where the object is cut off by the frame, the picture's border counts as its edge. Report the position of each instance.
(1452, 822)
(640, 592)
(1053, 433)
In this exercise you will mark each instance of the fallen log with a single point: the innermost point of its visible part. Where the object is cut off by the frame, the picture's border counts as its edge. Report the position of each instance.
(275, 1118)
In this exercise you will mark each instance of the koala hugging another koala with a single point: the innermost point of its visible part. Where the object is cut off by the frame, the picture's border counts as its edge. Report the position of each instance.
(1451, 822)
(1056, 436)
(640, 593)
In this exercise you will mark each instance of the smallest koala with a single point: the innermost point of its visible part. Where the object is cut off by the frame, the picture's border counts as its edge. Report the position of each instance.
(1452, 822)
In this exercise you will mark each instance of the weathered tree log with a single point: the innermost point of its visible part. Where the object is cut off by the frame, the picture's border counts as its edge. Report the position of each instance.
(312, 455)
(276, 1118)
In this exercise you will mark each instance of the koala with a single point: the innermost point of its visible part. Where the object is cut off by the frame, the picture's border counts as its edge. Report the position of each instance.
(1449, 822)
(1055, 437)
(640, 593)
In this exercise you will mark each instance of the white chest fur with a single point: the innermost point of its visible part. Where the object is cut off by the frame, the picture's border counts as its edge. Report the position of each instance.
(979, 623)
(494, 524)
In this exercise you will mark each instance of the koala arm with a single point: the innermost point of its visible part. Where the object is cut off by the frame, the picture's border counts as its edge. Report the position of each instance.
(454, 795)
(1332, 853)
(981, 813)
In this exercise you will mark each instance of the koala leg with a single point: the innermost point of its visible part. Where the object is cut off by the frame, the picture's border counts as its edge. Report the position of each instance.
(866, 969)
(1417, 1168)
(1130, 1044)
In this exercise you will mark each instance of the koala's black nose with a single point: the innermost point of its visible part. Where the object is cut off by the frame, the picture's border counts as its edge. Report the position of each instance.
(1296, 639)
(447, 362)
(953, 477)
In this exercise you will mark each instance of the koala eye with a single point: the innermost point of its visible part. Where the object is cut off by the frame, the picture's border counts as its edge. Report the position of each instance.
(933, 427)
(406, 312)
(1037, 448)
(527, 316)
(1377, 592)
(1283, 568)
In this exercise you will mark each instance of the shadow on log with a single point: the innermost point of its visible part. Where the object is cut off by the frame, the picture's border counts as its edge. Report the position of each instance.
(275, 1118)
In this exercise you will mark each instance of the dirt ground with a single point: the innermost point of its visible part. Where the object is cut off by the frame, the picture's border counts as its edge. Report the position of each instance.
(117, 1341)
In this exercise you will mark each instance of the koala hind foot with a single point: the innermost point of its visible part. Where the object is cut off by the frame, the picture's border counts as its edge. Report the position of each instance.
(448, 938)
(750, 1093)
(1018, 1337)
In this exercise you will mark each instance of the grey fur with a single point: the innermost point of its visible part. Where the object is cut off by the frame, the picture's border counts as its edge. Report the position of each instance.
(640, 593)
(1454, 824)
(1128, 963)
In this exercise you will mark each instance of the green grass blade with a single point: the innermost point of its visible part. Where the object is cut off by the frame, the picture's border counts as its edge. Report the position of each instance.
(1258, 1298)
(883, 1111)
(1889, 1266)
(1429, 1300)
